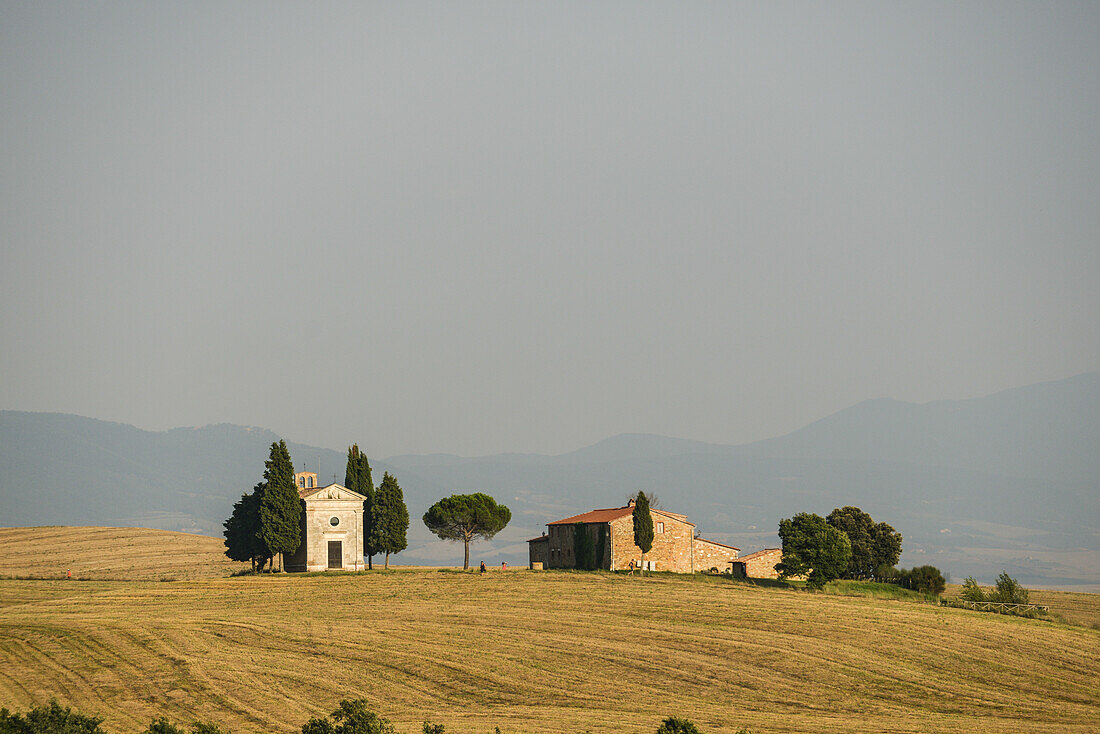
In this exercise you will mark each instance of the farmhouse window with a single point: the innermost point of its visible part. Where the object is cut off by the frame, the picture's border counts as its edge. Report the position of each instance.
(660, 527)
(334, 521)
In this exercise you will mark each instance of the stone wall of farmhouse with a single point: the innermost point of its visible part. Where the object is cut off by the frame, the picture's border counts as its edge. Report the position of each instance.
(761, 565)
(710, 555)
(672, 544)
(539, 551)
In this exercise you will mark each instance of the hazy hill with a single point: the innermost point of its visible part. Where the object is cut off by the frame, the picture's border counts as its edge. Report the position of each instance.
(1007, 481)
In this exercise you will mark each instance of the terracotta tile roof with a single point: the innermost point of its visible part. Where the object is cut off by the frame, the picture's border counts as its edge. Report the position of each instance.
(541, 537)
(715, 542)
(757, 554)
(614, 513)
(607, 515)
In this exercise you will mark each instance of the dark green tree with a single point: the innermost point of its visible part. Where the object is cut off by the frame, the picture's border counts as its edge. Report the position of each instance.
(584, 552)
(353, 717)
(874, 545)
(390, 523)
(49, 719)
(357, 478)
(466, 517)
(971, 591)
(280, 505)
(885, 545)
(812, 548)
(923, 579)
(1008, 591)
(643, 526)
(243, 541)
(164, 726)
(676, 725)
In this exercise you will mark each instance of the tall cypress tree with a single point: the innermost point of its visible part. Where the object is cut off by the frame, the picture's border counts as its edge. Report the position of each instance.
(643, 526)
(391, 519)
(357, 478)
(280, 505)
(242, 530)
(351, 470)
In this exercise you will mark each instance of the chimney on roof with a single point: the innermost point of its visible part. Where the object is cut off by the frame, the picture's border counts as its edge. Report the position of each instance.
(630, 503)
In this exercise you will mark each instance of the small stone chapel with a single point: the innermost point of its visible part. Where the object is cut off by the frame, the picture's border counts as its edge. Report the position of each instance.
(332, 527)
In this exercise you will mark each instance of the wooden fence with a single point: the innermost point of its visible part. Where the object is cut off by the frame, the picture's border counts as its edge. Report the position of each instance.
(992, 606)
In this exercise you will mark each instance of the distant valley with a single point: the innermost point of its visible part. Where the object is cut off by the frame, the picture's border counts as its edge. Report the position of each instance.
(1008, 481)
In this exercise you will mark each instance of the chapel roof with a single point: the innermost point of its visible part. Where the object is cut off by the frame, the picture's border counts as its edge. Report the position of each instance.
(309, 492)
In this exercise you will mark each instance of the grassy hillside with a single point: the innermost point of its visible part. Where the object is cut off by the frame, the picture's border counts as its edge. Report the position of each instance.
(111, 553)
(531, 651)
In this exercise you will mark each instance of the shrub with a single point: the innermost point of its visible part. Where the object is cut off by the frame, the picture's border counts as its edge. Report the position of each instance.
(675, 725)
(971, 591)
(50, 719)
(1008, 591)
(430, 728)
(922, 579)
(353, 717)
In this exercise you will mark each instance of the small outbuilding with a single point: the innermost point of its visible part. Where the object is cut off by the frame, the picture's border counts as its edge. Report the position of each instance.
(758, 565)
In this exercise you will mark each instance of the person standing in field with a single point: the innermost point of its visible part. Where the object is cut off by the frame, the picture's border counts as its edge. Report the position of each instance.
(482, 569)
(503, 565)
(631, 566)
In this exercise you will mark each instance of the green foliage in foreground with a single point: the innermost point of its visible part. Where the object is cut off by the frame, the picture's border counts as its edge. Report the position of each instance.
(352, 717)
(164, 726)
(675, 725)
(50, 719)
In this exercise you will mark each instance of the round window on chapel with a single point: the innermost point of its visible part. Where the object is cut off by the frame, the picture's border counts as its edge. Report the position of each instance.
(334, 521)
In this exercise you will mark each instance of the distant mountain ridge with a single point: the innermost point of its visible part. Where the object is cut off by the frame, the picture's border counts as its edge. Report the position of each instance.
(1007, 481)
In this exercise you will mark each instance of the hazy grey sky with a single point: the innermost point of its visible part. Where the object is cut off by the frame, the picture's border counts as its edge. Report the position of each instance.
(474, 228)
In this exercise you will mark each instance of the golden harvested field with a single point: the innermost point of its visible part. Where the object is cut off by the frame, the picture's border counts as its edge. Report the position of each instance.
(111, 554)
(536, 652)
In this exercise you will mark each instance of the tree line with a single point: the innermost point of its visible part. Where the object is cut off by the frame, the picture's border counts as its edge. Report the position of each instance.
(848, 544)
(267, 522)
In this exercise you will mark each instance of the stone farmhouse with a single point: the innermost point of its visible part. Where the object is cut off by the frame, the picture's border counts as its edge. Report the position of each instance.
(332, 527)
(611, 532)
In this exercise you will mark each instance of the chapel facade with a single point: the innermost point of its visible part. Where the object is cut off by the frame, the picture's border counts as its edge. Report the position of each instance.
(332, 527)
